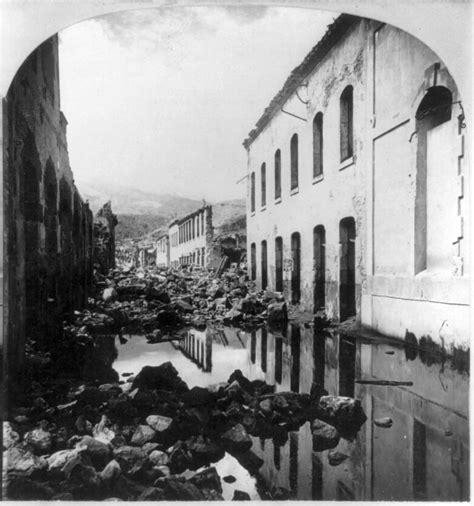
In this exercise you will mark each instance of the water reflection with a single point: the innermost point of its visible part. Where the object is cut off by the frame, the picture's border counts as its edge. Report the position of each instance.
(424, 455)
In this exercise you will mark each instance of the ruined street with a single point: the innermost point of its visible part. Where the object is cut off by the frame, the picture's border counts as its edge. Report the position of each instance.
(178, 384)
(236, 251)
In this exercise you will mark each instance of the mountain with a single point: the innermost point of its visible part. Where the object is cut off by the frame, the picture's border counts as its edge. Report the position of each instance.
(141, 212)
(127, 200)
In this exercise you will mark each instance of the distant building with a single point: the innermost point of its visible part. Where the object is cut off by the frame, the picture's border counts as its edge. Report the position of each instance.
(358, 186)
(190, 238)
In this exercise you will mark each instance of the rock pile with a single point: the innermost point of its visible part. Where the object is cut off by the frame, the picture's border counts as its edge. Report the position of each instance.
(150, 442)
(142, 300)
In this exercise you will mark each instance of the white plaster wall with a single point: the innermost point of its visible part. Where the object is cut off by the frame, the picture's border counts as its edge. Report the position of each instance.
(341, 192)
(378, 189)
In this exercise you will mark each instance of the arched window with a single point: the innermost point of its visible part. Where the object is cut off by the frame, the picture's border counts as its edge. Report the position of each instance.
(318, 144)
(264, 265)
(296, 270)
(277, 174)
(252, 192)
(263, 174)
(253, 261)
(346, 123)
(294, 161)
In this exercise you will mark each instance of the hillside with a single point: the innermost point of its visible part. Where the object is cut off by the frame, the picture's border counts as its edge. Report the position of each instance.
(140, 213)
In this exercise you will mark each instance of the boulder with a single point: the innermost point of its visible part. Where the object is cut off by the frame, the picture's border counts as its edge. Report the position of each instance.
(152, 494)
(198, 396)
(143, 434)
(266, 406)
(325, 436)
(240, 495)
(101, 432)
(203, 449)
(176, 490)
(130, 458)
(229, 478)
(84, 482)
(62, 462)
(336, 458)
(233, 316)
(207, 479)
(111, 472)
(100, 453)
(277, 313)
(150, 447)
(162, 377)
(10, 437)
(241, 380)
(160, 424)
(237, 439)
(345, 413)
(40, 440)
(384, 422)
(22, 462)
(158, 458)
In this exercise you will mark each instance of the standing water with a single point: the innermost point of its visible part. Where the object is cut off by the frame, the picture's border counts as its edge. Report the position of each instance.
(413, 446)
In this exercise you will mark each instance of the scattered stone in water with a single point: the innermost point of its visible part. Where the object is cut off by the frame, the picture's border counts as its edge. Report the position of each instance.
(336, 458)
(390, 352)
(237, 438)
(345, 413)
(385, 422)
(229, 478)
(240, 495)
(126, 374)
(325, 436)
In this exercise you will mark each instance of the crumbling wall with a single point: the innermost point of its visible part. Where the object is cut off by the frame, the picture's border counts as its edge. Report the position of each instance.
(48, 228)
(104, 239)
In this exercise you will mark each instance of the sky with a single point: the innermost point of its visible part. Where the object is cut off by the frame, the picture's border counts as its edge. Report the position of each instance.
(162, 99)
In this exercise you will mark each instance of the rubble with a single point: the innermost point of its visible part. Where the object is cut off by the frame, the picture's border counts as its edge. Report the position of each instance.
(155, 440)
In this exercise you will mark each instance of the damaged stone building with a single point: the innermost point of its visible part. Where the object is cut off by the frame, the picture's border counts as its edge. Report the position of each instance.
(357, 186)
(105, 222)
(49, 241)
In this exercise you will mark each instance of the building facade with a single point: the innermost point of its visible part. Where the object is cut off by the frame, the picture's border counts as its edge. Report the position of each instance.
(357, 194)
(190, 238)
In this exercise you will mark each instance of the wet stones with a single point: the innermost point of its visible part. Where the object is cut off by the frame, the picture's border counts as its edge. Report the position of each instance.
(164, 376)
(336, 458)
(277, 313)
(22, 462)
(384, 422)
(236, 439)
(325, 436)
(345, 413)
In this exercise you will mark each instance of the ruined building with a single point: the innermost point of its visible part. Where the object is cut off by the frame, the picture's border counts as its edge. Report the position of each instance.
(48, 239)
(105, 222)
(358, 186)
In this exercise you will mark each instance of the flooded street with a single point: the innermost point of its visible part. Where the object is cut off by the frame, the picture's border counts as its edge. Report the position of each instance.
(423, 455)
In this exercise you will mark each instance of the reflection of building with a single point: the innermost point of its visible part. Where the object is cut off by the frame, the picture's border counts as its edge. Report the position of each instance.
(367, 158)
(424, 455)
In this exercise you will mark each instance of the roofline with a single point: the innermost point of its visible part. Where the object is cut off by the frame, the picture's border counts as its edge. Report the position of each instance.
(333, 34)
(178, 221)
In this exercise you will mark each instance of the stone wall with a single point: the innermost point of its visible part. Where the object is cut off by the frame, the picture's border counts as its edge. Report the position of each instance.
(48, 227)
